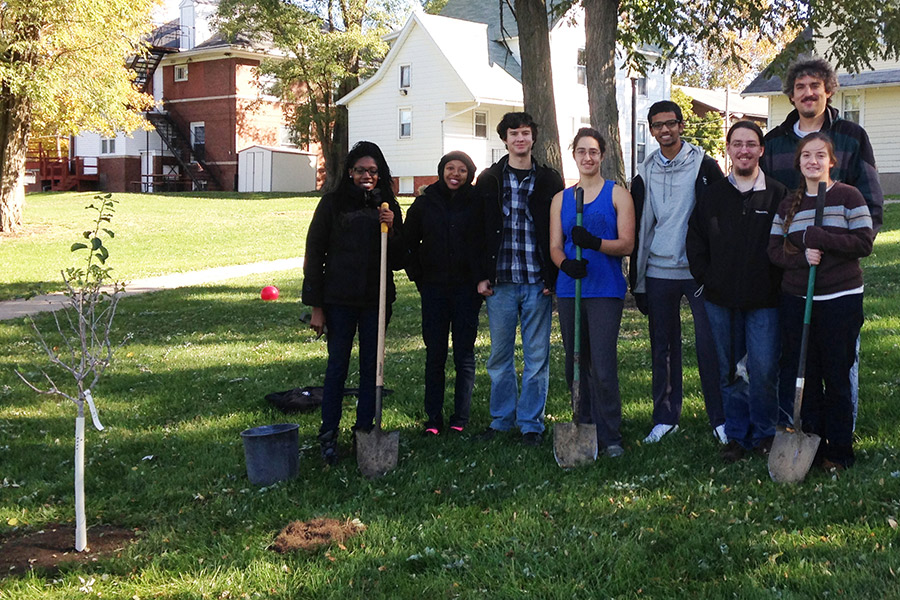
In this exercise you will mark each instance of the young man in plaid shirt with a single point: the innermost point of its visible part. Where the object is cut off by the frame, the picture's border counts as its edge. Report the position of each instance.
(518, 278)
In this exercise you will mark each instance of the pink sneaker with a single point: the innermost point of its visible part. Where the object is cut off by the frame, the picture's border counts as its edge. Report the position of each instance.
(456, 428)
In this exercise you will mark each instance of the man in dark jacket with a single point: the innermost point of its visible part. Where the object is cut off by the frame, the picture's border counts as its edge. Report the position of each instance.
(664, 193)
(518, 278)
(810, 85)
(728, 235)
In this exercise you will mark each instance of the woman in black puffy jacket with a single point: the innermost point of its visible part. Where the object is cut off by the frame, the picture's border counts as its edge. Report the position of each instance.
(341, 281)
(444, 235)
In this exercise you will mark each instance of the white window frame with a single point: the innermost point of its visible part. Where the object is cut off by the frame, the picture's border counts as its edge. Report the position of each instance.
(406, 185)
(405, 68)
(400, 122)
(860, 94)
(181, 72)
(107, 145)
(640, 145)
(640, 84)
(193, 129)
(581, 68)
(476, 125)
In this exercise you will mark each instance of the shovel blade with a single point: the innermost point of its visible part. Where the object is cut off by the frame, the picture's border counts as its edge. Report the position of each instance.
(792, 455)
(574, 444)
(376, 452)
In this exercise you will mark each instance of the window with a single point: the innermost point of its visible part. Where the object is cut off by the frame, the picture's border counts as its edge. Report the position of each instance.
(405, 122)
(405, 75)
(851, 107)
(107, 145)
(286, 137)
(641, 143)
(181, 72)
(581, 68)
(640, 85)
(406, 185)
(198, 141)
(481, 127)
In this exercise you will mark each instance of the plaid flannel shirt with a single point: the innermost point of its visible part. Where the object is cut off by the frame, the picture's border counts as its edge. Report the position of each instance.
(518, 260)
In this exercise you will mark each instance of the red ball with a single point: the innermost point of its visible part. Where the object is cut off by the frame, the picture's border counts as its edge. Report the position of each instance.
(270, 292)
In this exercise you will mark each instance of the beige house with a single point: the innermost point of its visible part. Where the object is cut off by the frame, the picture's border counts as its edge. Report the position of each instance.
(869, 98)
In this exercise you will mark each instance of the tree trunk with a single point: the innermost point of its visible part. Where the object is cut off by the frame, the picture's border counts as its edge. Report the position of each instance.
(600, 23)
(15, 121)
(537, 79)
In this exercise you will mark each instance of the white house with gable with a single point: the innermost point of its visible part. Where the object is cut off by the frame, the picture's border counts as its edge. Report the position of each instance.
(449, 79)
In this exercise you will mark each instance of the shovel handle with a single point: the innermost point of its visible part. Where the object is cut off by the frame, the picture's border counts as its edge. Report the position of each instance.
(807, 315)
(382, 318)
(576, 353)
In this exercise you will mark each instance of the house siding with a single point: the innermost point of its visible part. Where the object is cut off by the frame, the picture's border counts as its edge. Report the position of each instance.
(433, 83)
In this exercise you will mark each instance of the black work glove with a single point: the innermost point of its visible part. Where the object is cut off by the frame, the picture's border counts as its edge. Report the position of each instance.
(585, 239)
(576, 269)
(640, 301)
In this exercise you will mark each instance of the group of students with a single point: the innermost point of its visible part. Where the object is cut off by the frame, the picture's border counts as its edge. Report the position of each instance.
(738, 247)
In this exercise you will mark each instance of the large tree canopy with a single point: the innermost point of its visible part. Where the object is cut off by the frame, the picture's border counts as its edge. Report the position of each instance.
(327, 47)
(857, 31)
(62, 67)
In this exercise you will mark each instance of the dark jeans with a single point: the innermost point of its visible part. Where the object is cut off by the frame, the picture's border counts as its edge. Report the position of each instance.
(343, 323)
(598, 363)
(447, 308)
(827, 407)
(751, 407)
(664, 309)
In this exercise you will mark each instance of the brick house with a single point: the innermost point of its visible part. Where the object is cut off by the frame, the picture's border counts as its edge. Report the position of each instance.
(210, 105)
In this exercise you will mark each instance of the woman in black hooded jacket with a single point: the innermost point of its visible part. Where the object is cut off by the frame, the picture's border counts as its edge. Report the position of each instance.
(341, 281)
(444, 235)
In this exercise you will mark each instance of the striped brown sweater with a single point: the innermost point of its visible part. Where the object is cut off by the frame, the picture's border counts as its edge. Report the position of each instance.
(846, 235)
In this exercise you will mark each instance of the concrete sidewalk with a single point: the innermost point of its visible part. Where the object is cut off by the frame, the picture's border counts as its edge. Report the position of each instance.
(14, 309)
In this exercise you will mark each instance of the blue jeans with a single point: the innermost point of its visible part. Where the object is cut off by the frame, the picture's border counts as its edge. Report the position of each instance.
(509, 302)
(664, 312)
(751, 409)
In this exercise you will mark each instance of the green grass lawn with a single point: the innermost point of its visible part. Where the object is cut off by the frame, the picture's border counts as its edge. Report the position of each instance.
(457, 519)
(156, 234)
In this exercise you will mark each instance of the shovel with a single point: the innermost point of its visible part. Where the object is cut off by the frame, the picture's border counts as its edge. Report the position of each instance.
(793, 451)
(376, 451)
(576, 443)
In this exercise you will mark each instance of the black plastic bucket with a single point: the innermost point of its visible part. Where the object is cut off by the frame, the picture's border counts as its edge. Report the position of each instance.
(272, 452)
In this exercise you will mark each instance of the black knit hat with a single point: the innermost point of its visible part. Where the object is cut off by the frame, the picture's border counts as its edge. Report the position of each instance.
(462, 157)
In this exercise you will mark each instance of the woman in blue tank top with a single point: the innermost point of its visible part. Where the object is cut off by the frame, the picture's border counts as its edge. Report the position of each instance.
(607, 234)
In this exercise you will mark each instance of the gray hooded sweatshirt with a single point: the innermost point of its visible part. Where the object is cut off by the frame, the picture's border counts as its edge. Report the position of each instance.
(670, 188)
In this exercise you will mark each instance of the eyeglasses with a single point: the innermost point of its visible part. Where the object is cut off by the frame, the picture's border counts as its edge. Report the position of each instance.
(362, 171)
(592, 152)
(671, 124)
(742, 145)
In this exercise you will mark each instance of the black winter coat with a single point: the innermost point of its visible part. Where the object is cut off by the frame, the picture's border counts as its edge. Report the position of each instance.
(490, 190)
(727, 241)
(343, 250)
(444, 235)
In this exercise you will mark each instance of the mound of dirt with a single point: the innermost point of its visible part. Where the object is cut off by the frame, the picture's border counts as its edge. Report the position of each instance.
(309, 535)
(54, 545)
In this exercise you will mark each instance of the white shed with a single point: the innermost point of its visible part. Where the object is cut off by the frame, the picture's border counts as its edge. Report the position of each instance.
(269, 169)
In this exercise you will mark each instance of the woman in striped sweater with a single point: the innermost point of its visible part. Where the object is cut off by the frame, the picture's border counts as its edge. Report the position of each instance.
(796, 243)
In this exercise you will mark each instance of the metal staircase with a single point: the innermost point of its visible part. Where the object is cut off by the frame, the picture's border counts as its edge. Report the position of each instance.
(180, 146)
(165, 39)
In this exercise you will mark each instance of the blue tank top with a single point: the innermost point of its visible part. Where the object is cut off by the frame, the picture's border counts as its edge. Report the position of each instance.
(605, 278)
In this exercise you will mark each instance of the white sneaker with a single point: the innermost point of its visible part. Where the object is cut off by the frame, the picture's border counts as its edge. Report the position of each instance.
(658, 432)
(719, 434)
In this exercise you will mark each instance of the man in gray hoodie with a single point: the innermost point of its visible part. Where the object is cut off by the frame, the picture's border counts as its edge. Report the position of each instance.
(665, 191)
